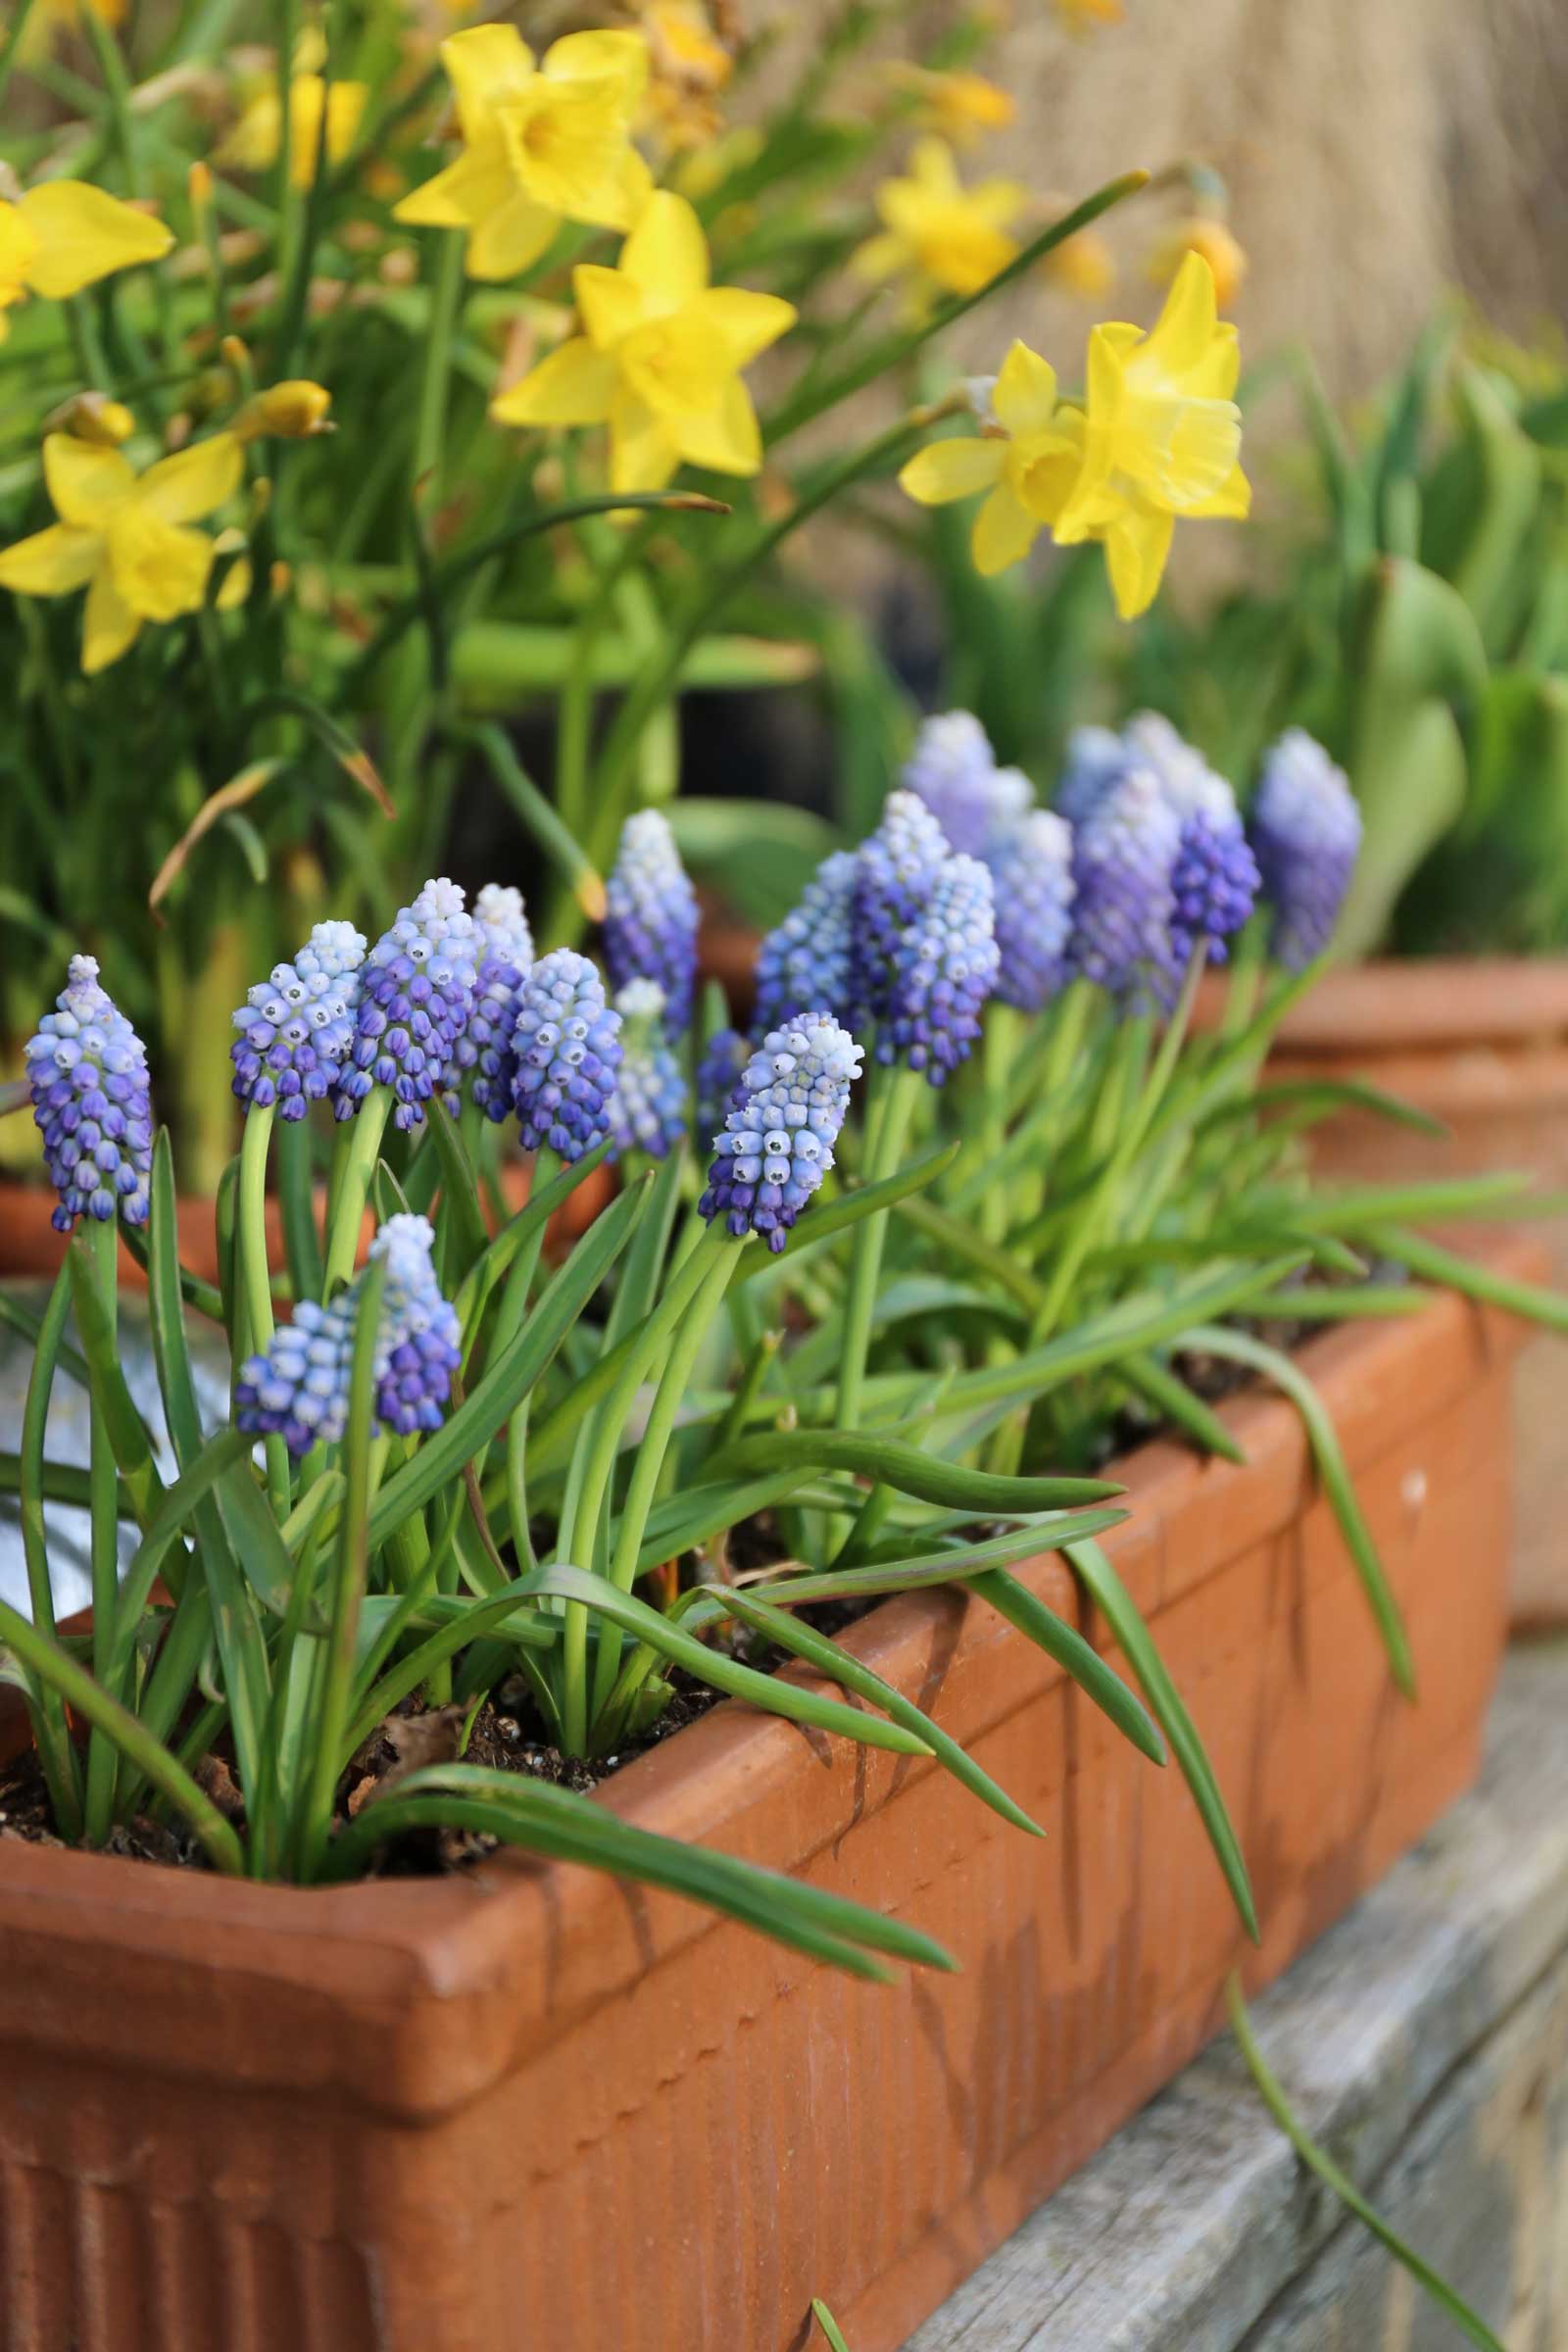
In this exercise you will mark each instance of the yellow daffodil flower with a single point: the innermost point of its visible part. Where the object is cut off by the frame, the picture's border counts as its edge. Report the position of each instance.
(1162, 436)
(1211, 237)
(659, 358)
(293, 410)
(542, 143)
(958, 106)
(938, 233)
(124, 537)
(1080, 17)
(253, 143)
(64, 234)
(93, 416)
(1027, 457)
(689, 66)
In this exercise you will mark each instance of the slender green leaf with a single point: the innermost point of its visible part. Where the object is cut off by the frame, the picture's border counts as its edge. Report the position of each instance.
(853, 1204)
(123, 1422)
(905, 1468)
(460, 1189)
(1076, 1657)
(1470, 1277)
(829, 2326)
(1157, 1384)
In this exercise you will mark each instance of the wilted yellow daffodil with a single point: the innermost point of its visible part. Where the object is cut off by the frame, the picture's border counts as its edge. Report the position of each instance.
(541, 143)
(659, 359)
(1162, 436)
(123, 537)
(688, 66)
(959, 106)
(253, 143)
(1209, 236)
(943, 236)
(1027, 457)
(64, 234)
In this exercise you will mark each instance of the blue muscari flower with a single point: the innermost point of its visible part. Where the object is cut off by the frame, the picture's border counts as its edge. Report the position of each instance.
(299, 1387)
(1033, 890)
(1215, 878)
(896, 871)
(567, 1048)
(650, 916)
(1306, 831)
(296, 1027)
(955, 772)
(724, 1058)
(484, 1047)
(1123, 857)
(783, 1120)
(416, 989)
(945, 968)
(806, 960)
(87, 1077)
(648, 1108)
(1096, 756)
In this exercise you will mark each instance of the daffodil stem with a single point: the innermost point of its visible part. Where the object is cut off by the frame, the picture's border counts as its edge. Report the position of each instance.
(11, 43)
(446, 295)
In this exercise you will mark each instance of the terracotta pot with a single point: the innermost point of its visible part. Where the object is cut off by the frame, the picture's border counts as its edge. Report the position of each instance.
(1483, 1046)
(531, 2107)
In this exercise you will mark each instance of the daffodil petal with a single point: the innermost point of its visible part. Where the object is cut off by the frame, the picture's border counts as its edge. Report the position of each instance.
(932, 167)
(160, 568)
(617, 57)
(880, 257)
(666, 254)
(85, 479)
(50, 562)
(510, 238)
(109, 625)
(1185, 328)
(191, 483)
(948, 470)
(236, 586)
(85, 234)
(1025, 395)
(574, 385)
(463, 196)
(747, 322)
(487, 65)
(728, 441)
(1230, 502)
(1136, 548)
(1004, 531)
(608, 303)
(642, 448)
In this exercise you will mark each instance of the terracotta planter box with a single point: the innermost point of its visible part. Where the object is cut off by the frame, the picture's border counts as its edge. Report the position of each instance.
(1484, 1047)
(533, 2109)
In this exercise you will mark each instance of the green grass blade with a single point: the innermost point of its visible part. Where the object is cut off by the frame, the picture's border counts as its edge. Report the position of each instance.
(829, 2326)
(1157, 1384)
(1275, 1366)
(564, 1827)
(1074, 1655)
(1476, 1281)
(460, 1192)
(1115, 1605)
(56, 1752)
(907, 1469)
(122, 1424)
(302, 1241)
(1339, 2184)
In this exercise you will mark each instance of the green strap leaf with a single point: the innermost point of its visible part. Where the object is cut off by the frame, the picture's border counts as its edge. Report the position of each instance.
(905, 1467)
(1171, 1395)
(1076, 1657)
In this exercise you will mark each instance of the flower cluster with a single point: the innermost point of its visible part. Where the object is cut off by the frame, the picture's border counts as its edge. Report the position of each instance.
(648, 1108)
(567, 1047)
(298, 1388)
(945, 968)
(1306, 831)
(650, 916)
(783, 1120)
(296, 1027)
(722, 1060)
(1214, 880)
(416, 991)
(1030, 860)
(955, 772)
(894, 874)
(484, 1046)
(1123, 856)
(805, 959)
(87, 1077)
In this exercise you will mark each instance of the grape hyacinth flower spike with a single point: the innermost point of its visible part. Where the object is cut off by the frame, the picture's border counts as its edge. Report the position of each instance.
(894, 874)
(724, 1058)
(298, 1388)
(416, 989)
(1033, 892)
(296, 1028)
(1096, 757)
(506, 954)
(1306, 831)
(566, 1043)
(953, 770)
(1123, 857)
(650, 916)
(945, 968)
(1215, 879)
(648, 1108)
(87, 1077)
(805, 961)
(784, 1117)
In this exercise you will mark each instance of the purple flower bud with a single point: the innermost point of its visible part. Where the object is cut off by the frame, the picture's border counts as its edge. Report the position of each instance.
(1215, 879)
(724, 1056)
(299, 1387)
(896, 872)
(88, 1076)
(783, 1120)
(946, 968)
(1123, 857)
(296, 1028)
(1306, 831)
(567, 1048)
(484, 1047)
(805, 959)
(1096, 756)
(416, 989)
(1033, 890)
(650, 916)
(648, 1108)
(955, 772)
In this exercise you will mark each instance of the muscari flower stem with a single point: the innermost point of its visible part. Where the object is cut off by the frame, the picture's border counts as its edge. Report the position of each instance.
(102, 1240)
(256, 1275)
(890, 1109)
(546, 1166)
(354, 1188)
